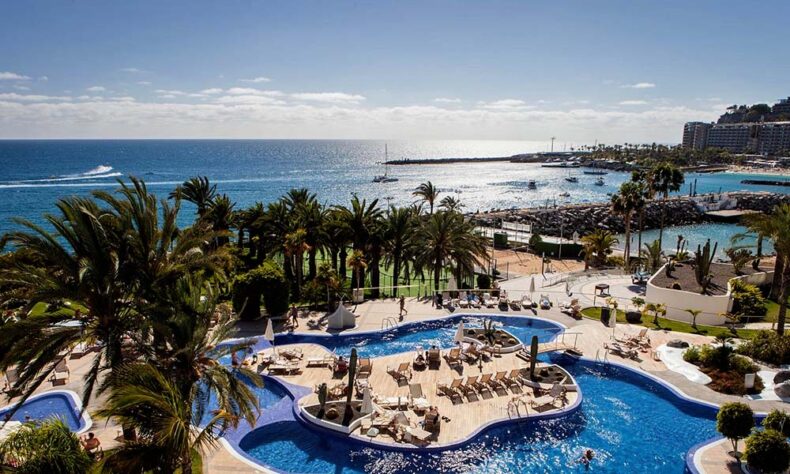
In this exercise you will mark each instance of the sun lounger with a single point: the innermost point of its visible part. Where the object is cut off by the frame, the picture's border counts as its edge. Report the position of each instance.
(402, 372)
(483, 384)
(498, 380)
(431, 421)
(390, 402)
(434, 358)
(556, 393)
(468, 388)
(492, 302)
(320, 361)
(526, 302)
(291, 354)
(453, 357)
(515, 305)
(463, 303)
(544, 302)
(284, 367)
(470, 352)
(452, 390)
(417, 399)
(61, 372)
(11, 376)
(364, 368)
(512, 379)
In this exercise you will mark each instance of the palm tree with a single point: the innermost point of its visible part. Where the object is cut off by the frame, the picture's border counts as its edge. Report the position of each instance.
(450, 203)
(665, 178)
(427, 192)
(219, 216)
(446, 238)
(198, 191)
(653, 255)
(307, 213)
(358, 264)
(399, 226)
(598, 245)
(45, 447)
(167, 399)
(643, 179)
(78, 262)
(624, 203)
(776, 226)
(694, 313)
(363, 221)
(338, 236)
(295, 246)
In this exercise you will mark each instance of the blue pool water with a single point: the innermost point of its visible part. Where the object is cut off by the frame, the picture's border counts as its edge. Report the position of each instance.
(423, 334)
(51, 405)
(271, 396)
(632, 423)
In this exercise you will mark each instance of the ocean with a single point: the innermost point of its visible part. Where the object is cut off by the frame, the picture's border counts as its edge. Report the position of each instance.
(35, 173)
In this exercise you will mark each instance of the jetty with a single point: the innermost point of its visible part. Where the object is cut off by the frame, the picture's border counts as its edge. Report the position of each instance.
(766, 182)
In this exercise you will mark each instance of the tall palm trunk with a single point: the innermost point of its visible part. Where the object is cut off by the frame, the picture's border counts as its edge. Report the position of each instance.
(627, 256)
(779, 269)
(437, 270)
(375, 271)
(395, 273)
(641, 227)
(783, 293)
(333, 257)
(311, 265)
(663, 218)
(343, 257)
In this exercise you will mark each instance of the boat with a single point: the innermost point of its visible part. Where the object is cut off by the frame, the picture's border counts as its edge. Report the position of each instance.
(595, 172)
(531, 184)
(600, 181)
(561, 164)
(572, 179)
(385, 178)
(565, 194)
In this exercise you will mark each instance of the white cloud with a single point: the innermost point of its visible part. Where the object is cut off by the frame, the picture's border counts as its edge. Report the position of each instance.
(632, 102)
(132, 70)
(640, 85)
(12, 76)
(329, 97)
(124, 98)
(21, 88)
(143, 83)
(248, 99)
(95, 89)
(447, 100)
(504, 104)
(14, 97)
(256, 80)
(212, 90)
(172, 92)
(250, 91)
(43, 78)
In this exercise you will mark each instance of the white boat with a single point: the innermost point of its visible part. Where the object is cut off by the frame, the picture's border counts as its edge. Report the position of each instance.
(531, 184)
(565, 194)
(572, 179)
(600, 182)
(595, 172)
(385, 178)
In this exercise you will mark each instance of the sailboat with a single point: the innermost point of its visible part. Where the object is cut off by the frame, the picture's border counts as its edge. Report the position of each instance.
(384, 178)
(600, 181)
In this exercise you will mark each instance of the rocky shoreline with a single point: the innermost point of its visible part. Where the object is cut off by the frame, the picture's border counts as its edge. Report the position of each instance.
(584, 218)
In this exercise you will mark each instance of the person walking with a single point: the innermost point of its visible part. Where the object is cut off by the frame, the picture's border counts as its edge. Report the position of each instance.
(402, 303)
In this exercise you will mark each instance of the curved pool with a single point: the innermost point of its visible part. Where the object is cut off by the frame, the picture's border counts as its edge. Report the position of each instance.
(633, 424)
(55, 404)
(438, 332)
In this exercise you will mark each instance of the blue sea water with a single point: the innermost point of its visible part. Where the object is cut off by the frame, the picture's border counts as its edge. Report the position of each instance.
(633, 425)
(34, 173)
(53, 405)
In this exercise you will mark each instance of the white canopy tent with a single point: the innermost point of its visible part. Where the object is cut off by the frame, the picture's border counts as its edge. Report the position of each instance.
(342, 318)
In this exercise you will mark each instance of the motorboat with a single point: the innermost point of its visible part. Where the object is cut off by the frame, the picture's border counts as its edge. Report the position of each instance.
(565, 194)
(531, 184)
(596, 172)
(600, 181)
(572, 179)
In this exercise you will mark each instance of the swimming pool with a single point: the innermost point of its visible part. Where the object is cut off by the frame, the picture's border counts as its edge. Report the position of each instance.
(633, 424)
(58, 404)
(438, 332)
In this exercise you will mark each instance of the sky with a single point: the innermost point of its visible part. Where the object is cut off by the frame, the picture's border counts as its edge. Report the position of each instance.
(613, 71)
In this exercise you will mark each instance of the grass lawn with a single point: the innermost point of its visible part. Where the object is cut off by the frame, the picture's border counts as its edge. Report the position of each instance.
(677, 326)
(197, 463)
(40, 308)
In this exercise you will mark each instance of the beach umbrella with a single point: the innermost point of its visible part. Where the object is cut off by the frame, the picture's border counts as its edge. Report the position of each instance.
(567, 288)
(9, 427)
(268, 334)
(459, 334)
(531, 286)
(367, 402)
(613, 321)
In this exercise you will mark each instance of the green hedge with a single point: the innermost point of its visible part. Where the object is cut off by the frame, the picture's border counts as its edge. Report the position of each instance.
(266, 283)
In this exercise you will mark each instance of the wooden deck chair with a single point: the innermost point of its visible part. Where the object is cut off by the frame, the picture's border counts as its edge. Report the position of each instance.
(469, 387)
(364, 368)
(453, 357)
(512, 379)
(452, 391)
(417, 398)
(483, 383)
(61, 372)
(498, 380)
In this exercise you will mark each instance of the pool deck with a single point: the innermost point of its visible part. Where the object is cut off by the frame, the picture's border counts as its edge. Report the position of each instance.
(467, 417)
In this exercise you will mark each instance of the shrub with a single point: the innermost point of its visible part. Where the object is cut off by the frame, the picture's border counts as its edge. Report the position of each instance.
(742, 365)
(767, 346)
(266, 282)
(692, 355)
(768, 451)
(735, 421)
(778, 420)
(747, 299)
(731, 382)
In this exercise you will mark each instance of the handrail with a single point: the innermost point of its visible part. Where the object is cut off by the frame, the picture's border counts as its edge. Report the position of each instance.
(389, 323)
